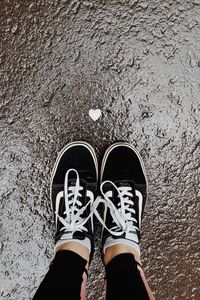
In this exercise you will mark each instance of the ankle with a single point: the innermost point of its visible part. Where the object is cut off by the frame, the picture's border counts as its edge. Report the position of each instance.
(115, 250)
(75, 247)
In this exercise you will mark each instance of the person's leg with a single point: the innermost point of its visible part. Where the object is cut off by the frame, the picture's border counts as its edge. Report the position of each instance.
(125, 278)
(66, 276)
(124, 191)
(73, 185)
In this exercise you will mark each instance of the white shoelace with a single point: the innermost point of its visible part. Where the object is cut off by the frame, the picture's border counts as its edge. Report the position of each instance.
(73, 207)
(122, 215)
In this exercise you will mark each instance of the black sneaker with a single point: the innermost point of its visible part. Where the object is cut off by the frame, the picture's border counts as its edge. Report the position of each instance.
(124, 191)
(73, 187)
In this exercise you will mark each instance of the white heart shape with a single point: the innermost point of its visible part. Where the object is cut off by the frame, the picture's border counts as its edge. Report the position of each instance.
(95, 114)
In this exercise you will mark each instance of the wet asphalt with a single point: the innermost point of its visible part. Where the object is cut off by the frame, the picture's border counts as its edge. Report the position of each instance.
(137, 61)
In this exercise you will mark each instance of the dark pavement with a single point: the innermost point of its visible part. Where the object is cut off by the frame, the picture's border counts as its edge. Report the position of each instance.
(137, 61)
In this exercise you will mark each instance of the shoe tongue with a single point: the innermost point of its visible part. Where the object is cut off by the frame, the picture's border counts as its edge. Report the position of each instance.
(60, 187)
(119, 183)
(122, 183)
(72, 182)
(125, 183)
(83, 184)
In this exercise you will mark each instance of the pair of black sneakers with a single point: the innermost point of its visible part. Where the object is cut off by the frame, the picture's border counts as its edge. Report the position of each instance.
(74, 195)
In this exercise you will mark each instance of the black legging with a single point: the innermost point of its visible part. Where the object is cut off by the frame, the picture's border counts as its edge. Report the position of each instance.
(64, 278)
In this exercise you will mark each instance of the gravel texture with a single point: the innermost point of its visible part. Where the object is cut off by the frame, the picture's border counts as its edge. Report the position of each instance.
(137, 61)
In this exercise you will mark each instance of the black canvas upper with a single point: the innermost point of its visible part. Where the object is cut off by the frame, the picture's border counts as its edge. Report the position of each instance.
(123, 164)
(76, 157)
(123, 167)
(79, 158)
